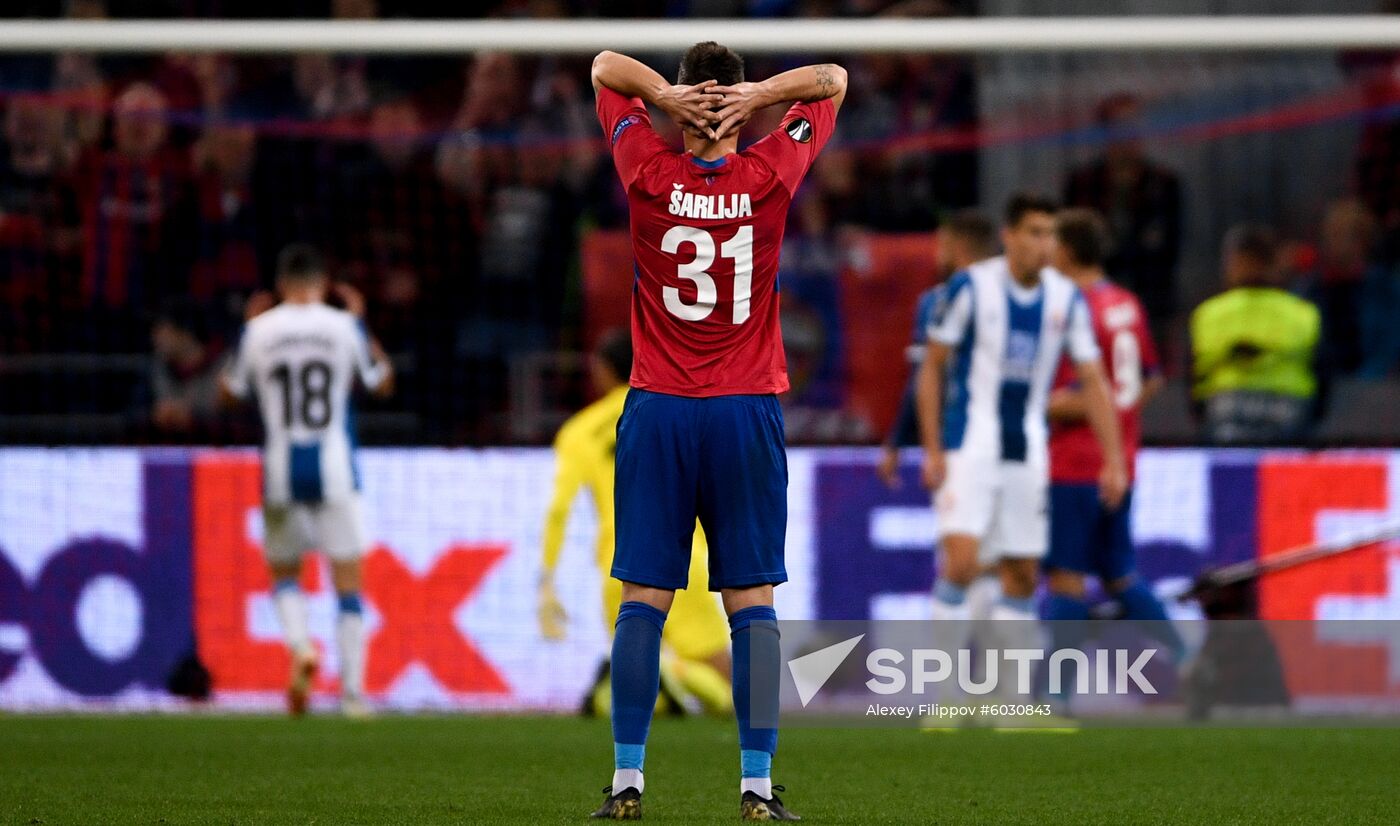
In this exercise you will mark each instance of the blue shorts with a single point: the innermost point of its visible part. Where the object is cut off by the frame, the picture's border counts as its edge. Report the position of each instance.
(721, 460)
(1088, 538)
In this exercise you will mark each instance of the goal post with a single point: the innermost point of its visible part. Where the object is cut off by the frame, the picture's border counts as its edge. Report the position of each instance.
(959, 35)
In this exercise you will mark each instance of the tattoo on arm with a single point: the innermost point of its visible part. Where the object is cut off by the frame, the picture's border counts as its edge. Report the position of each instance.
(825, 80)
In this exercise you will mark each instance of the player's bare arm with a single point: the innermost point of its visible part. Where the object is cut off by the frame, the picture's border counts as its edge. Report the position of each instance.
(352, 299)
(354, 303)
(257, 304)
(1103, 420)
(887, 468)
(930, 405)
(1067, 404)
(227, 398)
(385, 388)
(1150, 388)
(689, 106)
(807, 84)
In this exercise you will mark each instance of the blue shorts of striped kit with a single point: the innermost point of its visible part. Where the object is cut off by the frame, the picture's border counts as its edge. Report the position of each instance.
(721, 460)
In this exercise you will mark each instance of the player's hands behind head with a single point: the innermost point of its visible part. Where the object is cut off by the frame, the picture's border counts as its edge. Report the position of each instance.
(738, 103)
(692, 107)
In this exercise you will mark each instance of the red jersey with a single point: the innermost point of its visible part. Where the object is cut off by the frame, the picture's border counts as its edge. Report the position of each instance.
(705, 241)
(1130, 357)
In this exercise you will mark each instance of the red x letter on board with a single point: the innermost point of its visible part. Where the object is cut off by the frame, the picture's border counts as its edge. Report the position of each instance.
(417, 625)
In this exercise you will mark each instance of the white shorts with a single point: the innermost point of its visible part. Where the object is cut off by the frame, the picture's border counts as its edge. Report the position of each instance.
(1005, 505)
(335, 528)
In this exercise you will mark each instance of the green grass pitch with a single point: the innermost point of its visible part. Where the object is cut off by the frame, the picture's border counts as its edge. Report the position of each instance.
(421, 770)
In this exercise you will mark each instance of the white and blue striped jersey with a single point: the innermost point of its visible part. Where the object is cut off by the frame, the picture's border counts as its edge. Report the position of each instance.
(1007, 341)
(302, 360)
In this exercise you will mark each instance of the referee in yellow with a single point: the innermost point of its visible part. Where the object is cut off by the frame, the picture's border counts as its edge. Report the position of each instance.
(696, 637)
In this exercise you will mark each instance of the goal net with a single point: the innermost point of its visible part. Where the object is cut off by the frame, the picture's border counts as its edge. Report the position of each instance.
(455, 173)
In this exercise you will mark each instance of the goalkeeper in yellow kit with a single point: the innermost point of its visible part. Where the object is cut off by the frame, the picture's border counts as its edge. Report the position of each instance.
(696, 636)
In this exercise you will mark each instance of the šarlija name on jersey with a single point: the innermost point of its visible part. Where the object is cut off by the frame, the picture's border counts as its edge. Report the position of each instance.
(712, 207)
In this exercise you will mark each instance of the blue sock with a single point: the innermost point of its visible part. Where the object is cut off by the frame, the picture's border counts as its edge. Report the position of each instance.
(1068, 617)
(1141, 605)
(629, 755)
(757, 669)
(636, 679)
(350, 603)
(949, 593)
(755, 763)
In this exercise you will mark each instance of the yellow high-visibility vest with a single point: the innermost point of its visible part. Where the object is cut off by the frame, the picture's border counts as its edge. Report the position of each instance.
(1254, 338)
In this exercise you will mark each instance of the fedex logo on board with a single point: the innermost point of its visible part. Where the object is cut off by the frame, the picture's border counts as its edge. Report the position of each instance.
(117, 564)
(412, 623)
(1306, 499)
(94, 575)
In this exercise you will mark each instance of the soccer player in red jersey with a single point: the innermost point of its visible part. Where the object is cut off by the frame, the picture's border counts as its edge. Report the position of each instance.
(701, 434)
(1086, 537)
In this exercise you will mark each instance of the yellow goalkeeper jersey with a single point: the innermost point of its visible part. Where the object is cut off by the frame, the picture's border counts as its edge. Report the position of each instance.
(584, 450)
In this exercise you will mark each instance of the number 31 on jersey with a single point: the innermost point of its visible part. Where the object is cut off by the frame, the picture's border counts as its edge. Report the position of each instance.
(739, 249)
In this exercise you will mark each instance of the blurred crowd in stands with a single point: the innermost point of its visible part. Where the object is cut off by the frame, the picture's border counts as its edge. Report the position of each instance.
(144, 198)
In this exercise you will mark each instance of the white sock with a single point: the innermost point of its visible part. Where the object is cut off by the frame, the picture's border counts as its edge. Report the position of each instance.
(761, 786)
(982, 597)
(1007, 610)
(291, 612)
(951, 613)
(628, 779)
(1014, 625)
(952, 627)
(349, 632)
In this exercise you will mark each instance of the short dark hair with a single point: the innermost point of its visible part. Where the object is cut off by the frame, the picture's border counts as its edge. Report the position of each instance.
(1084, 234)
(300, 262)
(1025, 203)
(1254, 240)
(615, 349)
(710, 61)
(973, 226)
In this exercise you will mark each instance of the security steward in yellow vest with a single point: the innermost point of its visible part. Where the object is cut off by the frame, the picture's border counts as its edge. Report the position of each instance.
(1254, 350)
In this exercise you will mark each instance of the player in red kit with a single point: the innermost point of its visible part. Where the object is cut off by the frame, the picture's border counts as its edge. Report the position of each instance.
(701, 434)
(1087, 537)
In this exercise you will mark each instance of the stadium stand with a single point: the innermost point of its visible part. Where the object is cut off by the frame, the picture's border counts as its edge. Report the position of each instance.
(134, 189)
